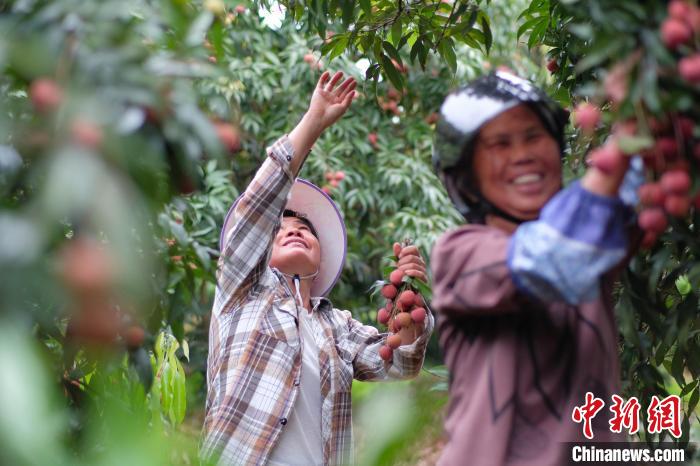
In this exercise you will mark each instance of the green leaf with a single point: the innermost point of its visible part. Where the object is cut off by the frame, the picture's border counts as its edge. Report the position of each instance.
(605, 51)
(683, 285)
(391, 51)
(486, 29)
(447, 51)
(348, 11)
(366, 6)
(529, 25)
(688, 388)
(198, 30)
(339, 47)
(396, 30)
(693, 402)
(633, 145)
(677, 366)
(391, 72)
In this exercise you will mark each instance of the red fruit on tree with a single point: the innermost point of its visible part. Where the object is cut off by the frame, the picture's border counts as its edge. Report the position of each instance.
(396, 277)
(309, 58)
(389, 291)
(607, 159)
(676, 182)
(134, 336)
(329, 176)
(653, 220)
(45, 94)
(335, 183)
(679, 9)
(86, 267)
(675, 32)
(86, 133)
(677, 205)
(95, 324)
(385, 352)
(339, 175)
(228, 136)
(407, 298)
(694, 20)
(393, 94)
(383, 316)
(373, 138)
(553, 65)
(418, 315)
(685, 127)
(651, 194)
(587, 117)
(403, 319)
(648, 239)
(240, 9)
(327, 190)
(393, 341)
(432, 118)
(667, 146)
(689, 68)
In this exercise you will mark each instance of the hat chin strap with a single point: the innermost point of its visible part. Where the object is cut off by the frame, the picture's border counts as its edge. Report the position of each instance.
(297, 283)
(489, 208)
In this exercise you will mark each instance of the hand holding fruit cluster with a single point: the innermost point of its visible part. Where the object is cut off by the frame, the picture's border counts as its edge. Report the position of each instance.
(405, 312)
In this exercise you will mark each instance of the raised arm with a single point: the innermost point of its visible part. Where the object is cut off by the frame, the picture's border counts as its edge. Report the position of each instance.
(256, 217)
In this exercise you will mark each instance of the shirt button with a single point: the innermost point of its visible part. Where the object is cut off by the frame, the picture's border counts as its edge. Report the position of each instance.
(296, 383)
(283, 421)
(289, 157)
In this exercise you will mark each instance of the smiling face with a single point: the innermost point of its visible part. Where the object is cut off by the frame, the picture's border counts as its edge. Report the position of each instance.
(295, 249)
(517, 163)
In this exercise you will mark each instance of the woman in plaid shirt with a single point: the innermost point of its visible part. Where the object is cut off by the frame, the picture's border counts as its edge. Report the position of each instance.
(281, 357)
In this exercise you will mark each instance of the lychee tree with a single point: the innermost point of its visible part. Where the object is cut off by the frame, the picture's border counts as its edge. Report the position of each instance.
(630, 70)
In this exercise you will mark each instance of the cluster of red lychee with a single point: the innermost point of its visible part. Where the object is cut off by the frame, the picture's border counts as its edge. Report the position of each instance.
(313, 62)
(391, 102)
(47, 96)
(333, 178)
(667, 163)
(678, 32)
(87, 272)
(404, 307)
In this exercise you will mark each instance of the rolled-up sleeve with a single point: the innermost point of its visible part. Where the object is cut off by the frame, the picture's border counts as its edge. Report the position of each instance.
(256, 219)
(579, 237)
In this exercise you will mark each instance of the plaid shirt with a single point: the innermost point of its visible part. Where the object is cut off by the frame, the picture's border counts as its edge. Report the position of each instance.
(254, 361)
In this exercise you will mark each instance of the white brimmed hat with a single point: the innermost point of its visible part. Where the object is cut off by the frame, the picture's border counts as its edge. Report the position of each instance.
(308, 199)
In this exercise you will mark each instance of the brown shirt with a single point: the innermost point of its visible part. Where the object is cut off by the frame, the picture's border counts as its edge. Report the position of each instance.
(517, 367)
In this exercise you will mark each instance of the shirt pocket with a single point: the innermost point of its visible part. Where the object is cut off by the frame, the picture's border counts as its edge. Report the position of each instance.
(280, 324)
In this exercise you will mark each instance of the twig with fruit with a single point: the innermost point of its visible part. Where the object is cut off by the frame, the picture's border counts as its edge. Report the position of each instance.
(405, 309)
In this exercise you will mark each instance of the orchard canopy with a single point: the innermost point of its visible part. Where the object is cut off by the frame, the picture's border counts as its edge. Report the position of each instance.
(127, 128)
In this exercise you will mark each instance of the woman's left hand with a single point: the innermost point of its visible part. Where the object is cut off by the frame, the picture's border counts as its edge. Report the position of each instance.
(411, 262)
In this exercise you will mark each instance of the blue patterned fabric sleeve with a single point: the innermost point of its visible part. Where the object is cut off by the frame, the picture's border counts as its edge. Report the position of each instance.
(634, 178)
(562, 256)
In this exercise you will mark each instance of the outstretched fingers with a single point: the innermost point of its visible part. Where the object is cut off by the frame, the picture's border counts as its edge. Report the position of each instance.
(334, 80)
(323, 80)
